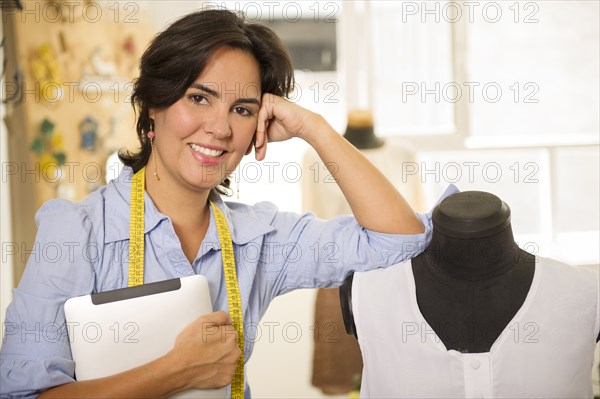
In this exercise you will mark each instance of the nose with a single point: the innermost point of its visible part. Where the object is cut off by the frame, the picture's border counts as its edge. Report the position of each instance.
(217, 123)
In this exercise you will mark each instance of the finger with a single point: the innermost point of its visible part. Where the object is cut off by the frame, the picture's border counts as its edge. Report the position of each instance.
(261, 151)
(264, 114)
(235, 354)
(260, 132)
(219, 318)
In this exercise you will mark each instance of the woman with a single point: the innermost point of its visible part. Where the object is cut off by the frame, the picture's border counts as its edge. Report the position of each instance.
(211, 88)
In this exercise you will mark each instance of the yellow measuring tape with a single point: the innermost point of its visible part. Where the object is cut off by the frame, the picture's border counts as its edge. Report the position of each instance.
(136, 229)
(136, 267)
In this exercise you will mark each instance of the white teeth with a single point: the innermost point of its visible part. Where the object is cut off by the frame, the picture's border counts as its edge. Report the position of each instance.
(206, 151)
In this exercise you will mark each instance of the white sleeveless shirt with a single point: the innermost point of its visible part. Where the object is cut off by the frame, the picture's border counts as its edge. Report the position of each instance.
(546, 350)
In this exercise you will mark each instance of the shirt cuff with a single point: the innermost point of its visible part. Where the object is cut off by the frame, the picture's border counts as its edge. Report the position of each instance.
(24, 378)
(409, 246)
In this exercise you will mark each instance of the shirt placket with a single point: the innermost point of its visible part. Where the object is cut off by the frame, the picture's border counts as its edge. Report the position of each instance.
(478, 375)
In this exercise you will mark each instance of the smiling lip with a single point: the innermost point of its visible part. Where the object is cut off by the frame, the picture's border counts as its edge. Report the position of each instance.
(210, 155)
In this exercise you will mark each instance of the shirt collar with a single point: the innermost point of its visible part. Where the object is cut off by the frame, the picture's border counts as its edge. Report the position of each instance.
(244, 226)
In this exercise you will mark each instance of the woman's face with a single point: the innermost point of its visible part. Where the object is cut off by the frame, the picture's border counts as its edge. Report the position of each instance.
(201, 138)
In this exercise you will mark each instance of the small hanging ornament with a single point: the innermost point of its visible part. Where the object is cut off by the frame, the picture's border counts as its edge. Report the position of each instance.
(48, 146)
(46, 71)
(129, 46)
(89, 133)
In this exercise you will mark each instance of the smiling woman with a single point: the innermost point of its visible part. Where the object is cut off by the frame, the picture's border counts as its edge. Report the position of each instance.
(170, 69)
(211, 87)
(202, 137)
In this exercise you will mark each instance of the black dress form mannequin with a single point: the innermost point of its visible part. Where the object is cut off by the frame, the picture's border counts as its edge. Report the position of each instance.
(469, 284)
(360, 131)
(472, 278)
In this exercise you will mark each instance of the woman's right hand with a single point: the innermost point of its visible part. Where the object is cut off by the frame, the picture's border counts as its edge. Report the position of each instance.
(207, 350)
(204, 356)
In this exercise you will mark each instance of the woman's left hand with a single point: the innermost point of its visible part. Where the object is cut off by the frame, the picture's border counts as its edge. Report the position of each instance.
(280, 120)
(366, 189)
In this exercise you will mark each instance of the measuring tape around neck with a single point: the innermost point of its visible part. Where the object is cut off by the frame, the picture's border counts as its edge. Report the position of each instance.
(136, 267)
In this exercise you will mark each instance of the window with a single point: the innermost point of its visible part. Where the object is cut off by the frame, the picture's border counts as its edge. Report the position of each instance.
(411, 67)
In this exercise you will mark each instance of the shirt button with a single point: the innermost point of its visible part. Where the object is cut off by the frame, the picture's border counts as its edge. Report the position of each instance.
(475, 363)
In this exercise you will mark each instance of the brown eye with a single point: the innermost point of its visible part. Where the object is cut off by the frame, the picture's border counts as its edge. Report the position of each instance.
(198, 99)
(243, 111)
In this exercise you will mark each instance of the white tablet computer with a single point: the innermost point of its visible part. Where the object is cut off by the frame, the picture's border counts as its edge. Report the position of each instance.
(117, 330)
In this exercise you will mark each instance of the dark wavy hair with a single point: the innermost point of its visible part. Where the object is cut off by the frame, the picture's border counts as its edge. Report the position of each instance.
(179, 54)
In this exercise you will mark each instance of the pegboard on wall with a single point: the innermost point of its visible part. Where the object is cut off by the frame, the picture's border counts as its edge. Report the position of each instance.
(78, 60)
(69, 67)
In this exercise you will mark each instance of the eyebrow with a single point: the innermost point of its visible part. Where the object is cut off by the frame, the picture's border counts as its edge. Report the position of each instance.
(214, 93)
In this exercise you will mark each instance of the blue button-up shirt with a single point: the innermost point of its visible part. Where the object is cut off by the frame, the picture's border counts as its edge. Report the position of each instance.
(82, 248)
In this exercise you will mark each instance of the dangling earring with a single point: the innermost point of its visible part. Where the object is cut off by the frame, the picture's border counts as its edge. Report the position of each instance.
(151, 135)
(238, 180)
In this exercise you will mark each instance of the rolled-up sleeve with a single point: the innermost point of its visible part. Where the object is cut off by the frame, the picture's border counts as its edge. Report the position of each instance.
(307, 252)
(35, 352)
